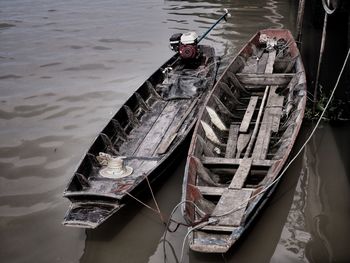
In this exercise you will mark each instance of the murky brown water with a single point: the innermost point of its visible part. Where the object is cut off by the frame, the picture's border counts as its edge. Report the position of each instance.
(67, 66)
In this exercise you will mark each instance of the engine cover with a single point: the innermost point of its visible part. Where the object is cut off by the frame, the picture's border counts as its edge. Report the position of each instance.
(188, 51)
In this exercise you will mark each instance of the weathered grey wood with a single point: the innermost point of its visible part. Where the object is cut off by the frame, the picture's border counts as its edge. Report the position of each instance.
(232, 141)
(241, 174)
(270, 61)
(216, 119)
(121, 132)
(290, 88)
(138, 134)
(209, 242)
(232, 200)
(131, 115)
(151, 90)
(270, 121)
(264, 79)
(154, 136)
(108, 144)
(248, 114)
(262, 63)
(276, 111)
(229, 92)
(219, 235)
(269, 69)
(228, 161)
(223, 109)
(141, 102)
(242, 142)
(251, 65)
(219, 228)
(172, 133)
(257, 123)
(209, 190)
(236, 82)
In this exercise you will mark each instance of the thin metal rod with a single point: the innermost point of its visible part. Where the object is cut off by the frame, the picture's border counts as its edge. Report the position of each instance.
(211, 28)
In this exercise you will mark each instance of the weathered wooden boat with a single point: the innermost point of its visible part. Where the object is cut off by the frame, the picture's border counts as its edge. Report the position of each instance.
(145, 133)
(243, 138)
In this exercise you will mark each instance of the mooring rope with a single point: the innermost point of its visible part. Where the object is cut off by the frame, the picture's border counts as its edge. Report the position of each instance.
(171, 220)
(327, 9)
(154, 200)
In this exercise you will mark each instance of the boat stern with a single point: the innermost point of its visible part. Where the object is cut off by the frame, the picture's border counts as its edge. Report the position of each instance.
(89, 214)
(217, 241)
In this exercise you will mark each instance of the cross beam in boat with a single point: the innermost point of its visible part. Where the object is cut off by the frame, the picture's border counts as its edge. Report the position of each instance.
(211, 190)
(264, 79)
(229, 161)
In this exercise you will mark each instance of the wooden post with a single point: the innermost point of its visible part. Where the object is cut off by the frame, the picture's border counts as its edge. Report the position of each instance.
(323, 41)
(300, 19)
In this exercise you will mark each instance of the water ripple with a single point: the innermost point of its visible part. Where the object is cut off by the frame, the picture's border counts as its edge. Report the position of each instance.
(88, 67)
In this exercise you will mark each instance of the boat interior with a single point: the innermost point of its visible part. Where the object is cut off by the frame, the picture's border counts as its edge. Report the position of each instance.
(243, 136)
(147, 126)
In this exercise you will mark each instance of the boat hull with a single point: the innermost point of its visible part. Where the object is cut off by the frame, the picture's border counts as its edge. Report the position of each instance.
(245, 133)
(147, 133)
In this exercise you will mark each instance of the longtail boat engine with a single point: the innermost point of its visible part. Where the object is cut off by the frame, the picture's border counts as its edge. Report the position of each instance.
(186, 44)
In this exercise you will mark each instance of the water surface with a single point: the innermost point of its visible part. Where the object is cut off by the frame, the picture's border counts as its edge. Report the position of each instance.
(65, 69)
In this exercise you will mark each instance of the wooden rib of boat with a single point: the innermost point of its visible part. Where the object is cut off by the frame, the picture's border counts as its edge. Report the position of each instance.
(147, 131)
(244, 135)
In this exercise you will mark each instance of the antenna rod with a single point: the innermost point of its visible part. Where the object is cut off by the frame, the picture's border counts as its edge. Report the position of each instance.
(217, 22)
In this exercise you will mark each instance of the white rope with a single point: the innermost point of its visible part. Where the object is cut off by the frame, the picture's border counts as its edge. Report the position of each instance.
(170, 218)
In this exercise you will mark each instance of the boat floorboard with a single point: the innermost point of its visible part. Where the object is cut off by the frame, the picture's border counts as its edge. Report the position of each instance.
(233, 202)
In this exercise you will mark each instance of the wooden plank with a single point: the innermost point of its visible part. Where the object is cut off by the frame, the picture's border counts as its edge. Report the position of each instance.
(172, 133)
(241, 174)
(242, 142)
(161, 125)
(251, 65)
(231, 200)
(270, 61)
(276, 112)
(219, 228)
(257, 123)
(138, 134)
(232, 141)
(228, 161)
(211, 190)
(270, 123)
(264, 128)
(262, 63)
(248, 114)
(264, 79)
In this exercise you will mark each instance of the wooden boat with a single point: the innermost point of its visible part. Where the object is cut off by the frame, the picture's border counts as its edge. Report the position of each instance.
(145, 133)
(243, 138)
